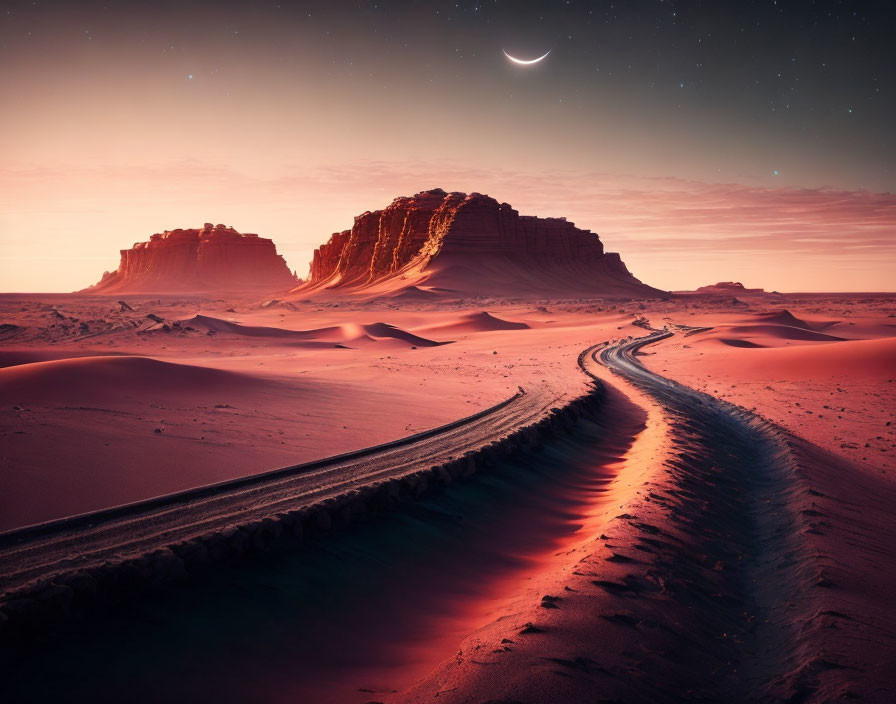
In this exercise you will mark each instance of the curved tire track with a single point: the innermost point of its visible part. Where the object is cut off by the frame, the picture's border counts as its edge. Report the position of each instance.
(33, 559)
(732, 528)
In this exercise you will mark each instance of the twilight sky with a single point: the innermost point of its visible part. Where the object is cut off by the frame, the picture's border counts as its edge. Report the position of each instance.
(704, 141)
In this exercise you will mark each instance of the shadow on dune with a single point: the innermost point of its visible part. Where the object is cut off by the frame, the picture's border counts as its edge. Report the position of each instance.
(365, 610)
(735, 342)
(785, 332)
(346, 334)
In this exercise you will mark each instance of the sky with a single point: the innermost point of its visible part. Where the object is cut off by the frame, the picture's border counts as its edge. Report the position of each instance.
(704, 141)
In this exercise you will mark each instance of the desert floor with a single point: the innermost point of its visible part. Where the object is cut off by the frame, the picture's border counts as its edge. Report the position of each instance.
(104, 404)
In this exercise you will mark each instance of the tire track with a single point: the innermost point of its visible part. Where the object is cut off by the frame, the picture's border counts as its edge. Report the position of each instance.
(33, 558)
(720, 579)
(747, 561)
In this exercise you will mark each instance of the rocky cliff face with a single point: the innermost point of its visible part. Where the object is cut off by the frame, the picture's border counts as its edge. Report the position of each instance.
(471, 244)
(213, 258)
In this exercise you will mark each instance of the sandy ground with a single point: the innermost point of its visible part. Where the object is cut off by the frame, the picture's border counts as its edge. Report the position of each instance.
(731, 563)
(240, 386)
(104, 405)
(101, 405)
(838, 393)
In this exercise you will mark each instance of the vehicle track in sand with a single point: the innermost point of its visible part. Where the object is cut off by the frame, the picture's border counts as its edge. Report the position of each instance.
(737, 569)
(37, 554)
(721, 578)
(764, 620)
(727, 492)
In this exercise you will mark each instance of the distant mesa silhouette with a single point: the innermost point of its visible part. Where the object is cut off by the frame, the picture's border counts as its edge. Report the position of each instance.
(733, 288)
(443, 243)
(214, 258)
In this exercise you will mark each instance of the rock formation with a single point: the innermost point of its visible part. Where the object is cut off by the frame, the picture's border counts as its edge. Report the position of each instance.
(214, 258)
(470, 244)
(733, 288)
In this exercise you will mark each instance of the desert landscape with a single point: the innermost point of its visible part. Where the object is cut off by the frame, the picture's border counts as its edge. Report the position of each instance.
(544, 354)
(700, 478)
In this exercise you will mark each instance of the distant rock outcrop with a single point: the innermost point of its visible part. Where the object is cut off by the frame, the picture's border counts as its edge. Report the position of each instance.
(449, 243)
(213, 258)
(729, 288)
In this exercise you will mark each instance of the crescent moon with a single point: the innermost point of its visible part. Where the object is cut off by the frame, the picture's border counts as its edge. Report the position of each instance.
(524, 62)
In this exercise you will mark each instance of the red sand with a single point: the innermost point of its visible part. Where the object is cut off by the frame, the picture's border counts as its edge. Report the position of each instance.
(625, 625)
(839, 395)
(238, 387)
(299, 395)
(269, 387)
(82, 434)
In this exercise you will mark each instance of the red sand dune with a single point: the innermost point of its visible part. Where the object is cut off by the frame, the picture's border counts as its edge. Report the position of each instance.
(92, 379)
(476, 322)
(207, 323)
(849, 359)
(783, 332)
(380, 331)
(84, 434)
(785, 317)
(411, 294)
(347, 334)
(839, 395)
(736, 342)
(297, 396)
(782, 317)
(11, 357)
